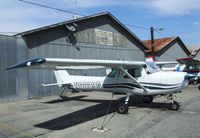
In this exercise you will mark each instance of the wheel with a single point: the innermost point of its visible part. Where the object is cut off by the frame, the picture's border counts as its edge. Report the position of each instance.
(174, 106)
(199, 87)
(123, 108)
(147, 99)
(195, 82)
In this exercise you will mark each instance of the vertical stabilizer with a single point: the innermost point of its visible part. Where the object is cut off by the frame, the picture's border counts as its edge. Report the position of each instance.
(62, 76)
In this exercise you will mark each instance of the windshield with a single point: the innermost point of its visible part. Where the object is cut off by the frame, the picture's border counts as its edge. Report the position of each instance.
(152, 67)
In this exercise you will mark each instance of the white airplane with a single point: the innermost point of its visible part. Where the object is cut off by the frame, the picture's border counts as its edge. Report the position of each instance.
(127, 77)
(192, 66)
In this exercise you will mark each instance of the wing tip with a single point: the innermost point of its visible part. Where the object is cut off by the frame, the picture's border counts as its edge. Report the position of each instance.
(32, 62)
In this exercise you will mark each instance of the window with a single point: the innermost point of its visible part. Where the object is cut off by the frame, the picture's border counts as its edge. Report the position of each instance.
(134, 72)
(113, 73)
(152, 67)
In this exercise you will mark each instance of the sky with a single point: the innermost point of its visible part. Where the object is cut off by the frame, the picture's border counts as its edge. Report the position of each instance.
(177, 17)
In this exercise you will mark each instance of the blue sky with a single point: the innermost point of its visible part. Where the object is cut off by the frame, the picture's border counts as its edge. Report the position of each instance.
(177, 17)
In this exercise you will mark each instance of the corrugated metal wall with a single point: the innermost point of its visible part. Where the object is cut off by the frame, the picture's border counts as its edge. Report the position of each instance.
(13, 83)
(173, 53)
(8, 56)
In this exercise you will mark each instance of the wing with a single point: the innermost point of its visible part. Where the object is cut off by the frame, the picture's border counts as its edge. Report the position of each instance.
(161, 63)
(188, 61)
(63, 64)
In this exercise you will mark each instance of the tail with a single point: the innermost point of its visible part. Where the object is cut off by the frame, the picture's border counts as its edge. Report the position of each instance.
(62, 76)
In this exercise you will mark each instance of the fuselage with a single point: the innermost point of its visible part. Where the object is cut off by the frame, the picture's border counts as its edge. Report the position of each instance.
(156, 83)
(190, 69)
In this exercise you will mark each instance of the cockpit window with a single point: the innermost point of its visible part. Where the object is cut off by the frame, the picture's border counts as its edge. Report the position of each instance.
(152, 67)
(113, 73)
(136, 72)
(195, 66)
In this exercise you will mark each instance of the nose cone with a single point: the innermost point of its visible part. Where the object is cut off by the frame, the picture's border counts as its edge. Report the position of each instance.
(190, 76)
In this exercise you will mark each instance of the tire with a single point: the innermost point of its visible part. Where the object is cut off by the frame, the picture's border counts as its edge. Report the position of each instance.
(147, 99)
(122, 108)
(174, 106)
(199, 87)
(195, 82)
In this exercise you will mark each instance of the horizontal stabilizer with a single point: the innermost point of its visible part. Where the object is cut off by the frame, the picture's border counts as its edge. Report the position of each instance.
(55, 84)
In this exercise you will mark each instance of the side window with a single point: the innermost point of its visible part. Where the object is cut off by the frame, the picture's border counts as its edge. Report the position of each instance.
(198, 66)
(113, 73)
(138, 72)
(134, 72)
(191, 67)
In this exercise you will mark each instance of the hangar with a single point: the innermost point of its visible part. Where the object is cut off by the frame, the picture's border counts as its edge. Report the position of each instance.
(99, 36)
(167, 49)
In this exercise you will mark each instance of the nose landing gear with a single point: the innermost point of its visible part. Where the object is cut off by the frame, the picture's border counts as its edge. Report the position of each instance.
(174, 105)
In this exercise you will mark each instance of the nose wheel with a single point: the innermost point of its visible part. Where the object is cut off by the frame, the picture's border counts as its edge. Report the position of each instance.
(174, 105)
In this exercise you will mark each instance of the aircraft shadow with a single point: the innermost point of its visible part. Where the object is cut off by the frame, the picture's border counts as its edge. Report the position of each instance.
(90, 113)
(79, 116)
(66, 99)
(163, 106)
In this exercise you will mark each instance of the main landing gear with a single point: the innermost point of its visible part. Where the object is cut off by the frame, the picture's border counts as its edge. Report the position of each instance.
(147, 99)
(123, 107)
(174, 106)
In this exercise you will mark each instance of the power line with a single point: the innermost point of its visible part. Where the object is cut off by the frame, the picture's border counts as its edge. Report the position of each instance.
(52, 8)
(160, 33)
(136, 26)
(70, 12)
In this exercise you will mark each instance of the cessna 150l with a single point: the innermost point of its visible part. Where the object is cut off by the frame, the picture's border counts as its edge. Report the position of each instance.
(127, 77)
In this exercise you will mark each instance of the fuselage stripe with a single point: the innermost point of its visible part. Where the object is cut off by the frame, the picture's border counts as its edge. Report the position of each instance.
(133, 86)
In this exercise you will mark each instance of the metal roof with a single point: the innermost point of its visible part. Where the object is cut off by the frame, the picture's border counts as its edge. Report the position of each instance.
(86, 18)
(162, 44)
(159, 43)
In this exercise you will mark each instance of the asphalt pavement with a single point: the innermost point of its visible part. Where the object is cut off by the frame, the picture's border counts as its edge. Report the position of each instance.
(76, 114)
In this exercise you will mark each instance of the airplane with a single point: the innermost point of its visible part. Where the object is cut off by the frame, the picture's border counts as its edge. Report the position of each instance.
(191, 65)
(126, 77)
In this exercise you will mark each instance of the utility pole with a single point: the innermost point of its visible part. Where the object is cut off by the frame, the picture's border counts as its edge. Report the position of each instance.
(152, 43)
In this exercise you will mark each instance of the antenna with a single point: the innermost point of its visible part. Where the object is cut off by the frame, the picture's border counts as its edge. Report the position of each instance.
(75, 16)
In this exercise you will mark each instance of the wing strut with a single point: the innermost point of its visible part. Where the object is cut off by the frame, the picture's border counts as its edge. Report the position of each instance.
(131, 77)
